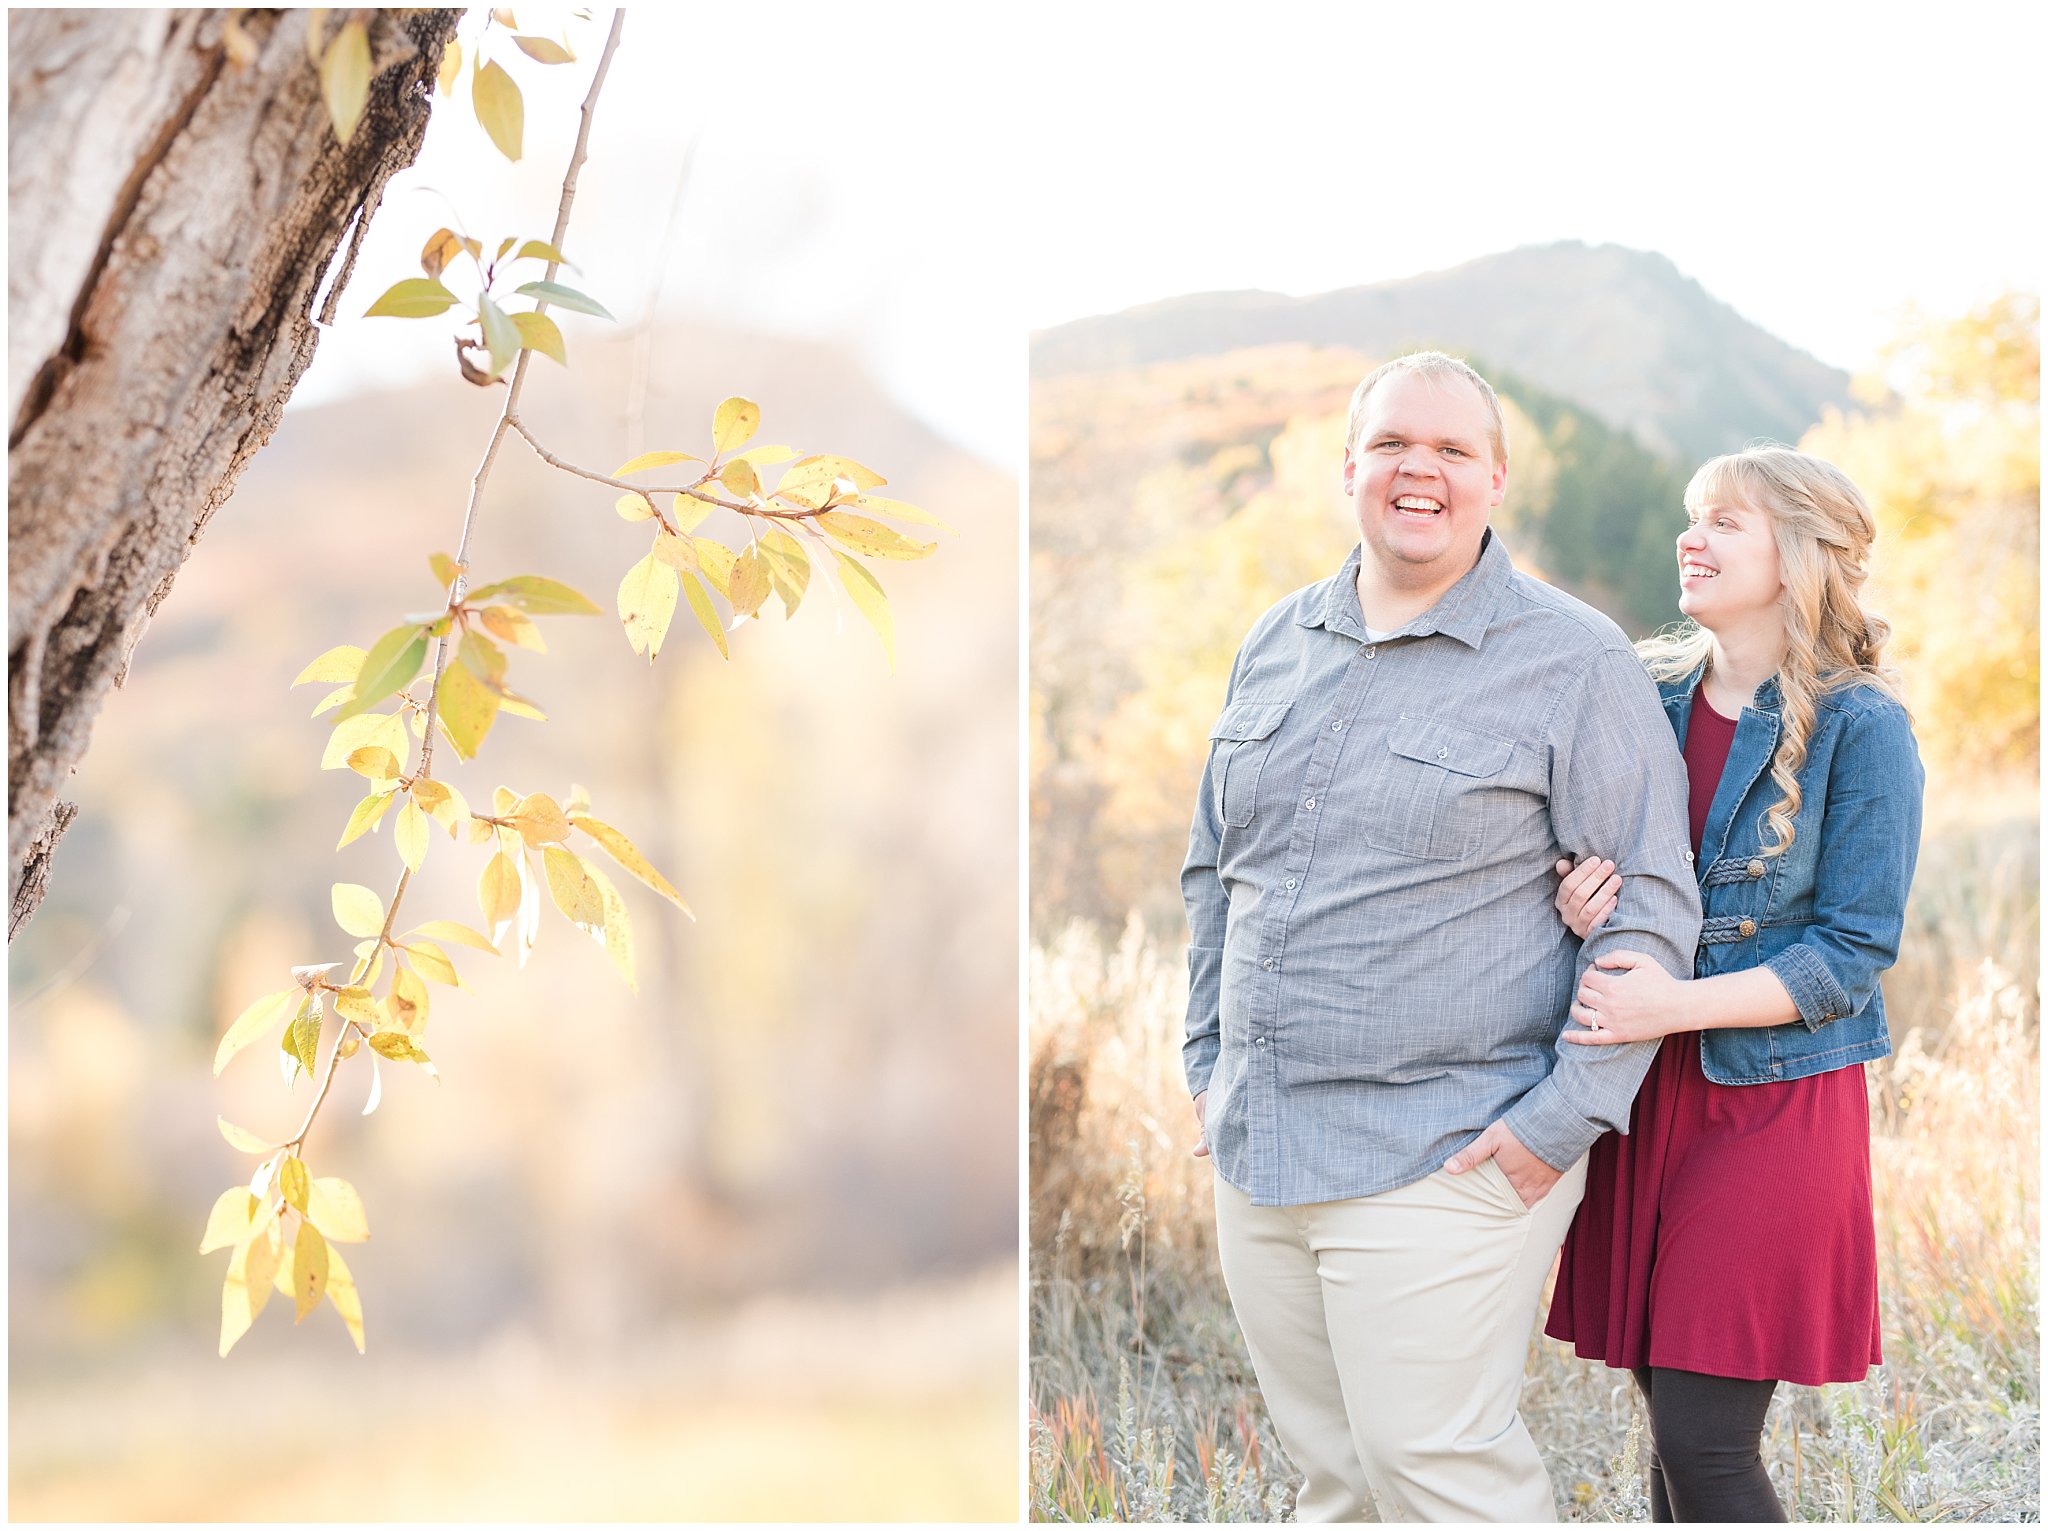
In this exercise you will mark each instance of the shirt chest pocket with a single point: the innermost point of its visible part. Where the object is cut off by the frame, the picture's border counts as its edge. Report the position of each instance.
(1424, 796)
(1239, 745)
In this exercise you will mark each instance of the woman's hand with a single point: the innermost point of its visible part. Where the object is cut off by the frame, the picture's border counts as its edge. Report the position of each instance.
(1587, 895)
(1627, 997)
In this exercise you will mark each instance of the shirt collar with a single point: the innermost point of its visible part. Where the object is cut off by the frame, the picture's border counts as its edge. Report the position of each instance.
(1463, 612)
(1767, 698)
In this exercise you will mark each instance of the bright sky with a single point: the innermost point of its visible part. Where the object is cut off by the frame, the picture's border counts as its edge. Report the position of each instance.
(923, 183)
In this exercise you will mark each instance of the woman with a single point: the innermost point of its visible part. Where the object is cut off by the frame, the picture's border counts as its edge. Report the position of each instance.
(1727, 1242)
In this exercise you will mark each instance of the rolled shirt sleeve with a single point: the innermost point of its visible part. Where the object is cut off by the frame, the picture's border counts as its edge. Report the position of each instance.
(1617, 790)
(1869, 840)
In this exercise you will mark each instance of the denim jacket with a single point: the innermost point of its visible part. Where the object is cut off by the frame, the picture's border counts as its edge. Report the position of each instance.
(1826, 915)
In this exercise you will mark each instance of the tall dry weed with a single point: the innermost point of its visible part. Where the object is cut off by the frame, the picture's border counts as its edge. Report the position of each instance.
(1145, 1406)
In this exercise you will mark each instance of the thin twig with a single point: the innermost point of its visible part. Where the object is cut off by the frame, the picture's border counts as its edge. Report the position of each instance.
(459, 585)
(648, 491)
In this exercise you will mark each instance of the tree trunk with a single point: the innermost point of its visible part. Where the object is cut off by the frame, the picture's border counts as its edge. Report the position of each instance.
(172, 216)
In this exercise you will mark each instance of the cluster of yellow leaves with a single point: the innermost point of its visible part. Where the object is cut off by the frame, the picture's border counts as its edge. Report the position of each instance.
(283, 1227)
(500, 109)
(819, 498)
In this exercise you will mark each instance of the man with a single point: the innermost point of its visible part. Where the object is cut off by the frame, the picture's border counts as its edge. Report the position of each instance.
(1378, 977)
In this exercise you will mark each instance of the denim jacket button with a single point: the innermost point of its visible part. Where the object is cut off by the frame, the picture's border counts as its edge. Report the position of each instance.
(1747, 927)
(1755, 867)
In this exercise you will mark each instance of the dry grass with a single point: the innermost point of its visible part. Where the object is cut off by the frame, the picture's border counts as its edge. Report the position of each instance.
(1144, 1406)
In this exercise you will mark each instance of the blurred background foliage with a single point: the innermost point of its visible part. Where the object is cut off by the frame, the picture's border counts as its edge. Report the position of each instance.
(1184, 476)
(743, 1244)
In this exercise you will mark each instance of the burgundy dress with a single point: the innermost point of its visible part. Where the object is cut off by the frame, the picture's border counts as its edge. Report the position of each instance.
(1731, 1231)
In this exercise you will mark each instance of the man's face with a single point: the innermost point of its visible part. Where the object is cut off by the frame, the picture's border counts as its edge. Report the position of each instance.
(1422, 477)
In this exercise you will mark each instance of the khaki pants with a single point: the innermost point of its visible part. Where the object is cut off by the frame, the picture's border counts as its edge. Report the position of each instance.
(1389, 1334)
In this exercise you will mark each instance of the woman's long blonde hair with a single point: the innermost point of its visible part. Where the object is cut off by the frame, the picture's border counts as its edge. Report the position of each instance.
(1823, 528)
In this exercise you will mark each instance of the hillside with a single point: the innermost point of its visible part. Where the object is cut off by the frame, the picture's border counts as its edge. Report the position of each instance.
(1620, 332)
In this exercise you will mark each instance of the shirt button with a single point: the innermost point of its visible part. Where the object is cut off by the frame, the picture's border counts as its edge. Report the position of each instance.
(1337, 728)
(1308, 802)
(1267, 964)
(1291, 885)
(1443, 754)
(1747, 927)
(1755, 867)
(1261, 1041)
(1688, 858)
(1372, 653)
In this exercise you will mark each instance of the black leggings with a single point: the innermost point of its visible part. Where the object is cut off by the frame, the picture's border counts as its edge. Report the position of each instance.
(1704, 1437)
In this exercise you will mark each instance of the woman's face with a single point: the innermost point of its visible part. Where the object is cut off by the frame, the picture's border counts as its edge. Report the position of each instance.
(1727, 566)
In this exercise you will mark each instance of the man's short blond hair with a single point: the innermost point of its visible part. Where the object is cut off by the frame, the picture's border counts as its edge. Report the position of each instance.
(1439, 369)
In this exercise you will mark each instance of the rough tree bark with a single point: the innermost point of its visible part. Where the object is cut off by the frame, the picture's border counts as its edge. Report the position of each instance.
(172, 217)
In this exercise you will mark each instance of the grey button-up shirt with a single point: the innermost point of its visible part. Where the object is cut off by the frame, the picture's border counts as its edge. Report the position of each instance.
(1377, 971)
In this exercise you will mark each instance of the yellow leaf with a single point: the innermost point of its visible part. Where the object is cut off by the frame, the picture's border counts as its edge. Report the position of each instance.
(229, 1221)
(345, 78)
(247, 1287)
(634, 507)
(468, 708)
(627, 855)
(514, 705)
(789, 567)
(341, 1291)
(715, 560)
(537, 332)
(375, 762)
(332, 700)
(337, 1211)
(433, 963)
(868, 597)
(647, 604)
(355, 1004)
(503, 801)
(497, 892)
(252, 1023)
(618, 931)
(689, 512)
(444, 569)
(648, 460)
(811, 481)
(397, 1046)
(871, 537)
(499, 108)
(451, 930)
(734, 423)
(700, 603)
(543, 50)
(539, 596)
(309, 1269)
(897, 510)
(409, 834)
(572, 888)
(738, 476)
(346, 1049)
(342, 663)
(539, 819)
(357, 910)
(750, 582)
(441, 803)
(292, 1181)
(351, 734)
(676, 552)
(451, 67)
(764, 457)
(514, 626)
(408, 1002)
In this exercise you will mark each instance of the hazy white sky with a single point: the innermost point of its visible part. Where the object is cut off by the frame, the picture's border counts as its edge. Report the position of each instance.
(925, 182)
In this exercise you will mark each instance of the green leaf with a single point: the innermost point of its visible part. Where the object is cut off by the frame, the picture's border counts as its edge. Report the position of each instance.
(342, 663)
(445, 568)
(537, 332)
(345, 78)
(417, 297)
(501, 335)
(357, 910)
(734, 423)
(392, 662)
(564, 297)
(871, 537)
(647, 604)
(707, 615)
(648, 460)
(627, 855)
(867, 595)
(537, 594)
(483, 658)
(468, 709)
(499, 108)
(544, 50)
(253, 1022)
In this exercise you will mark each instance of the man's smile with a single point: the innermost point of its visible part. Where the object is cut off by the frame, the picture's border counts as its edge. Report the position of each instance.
(1419, 504)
